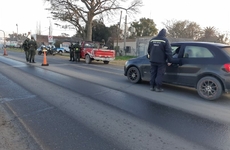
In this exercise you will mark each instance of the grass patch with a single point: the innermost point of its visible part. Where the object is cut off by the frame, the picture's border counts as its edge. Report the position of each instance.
(15, 49)
(124, 57)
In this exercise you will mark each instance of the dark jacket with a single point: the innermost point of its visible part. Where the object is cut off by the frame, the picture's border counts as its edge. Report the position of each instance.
(159, 48)
(32, 44)
(71, 47)
(25, 44)
(77, 48)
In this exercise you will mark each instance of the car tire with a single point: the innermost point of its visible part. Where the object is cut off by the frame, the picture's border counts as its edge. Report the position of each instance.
(133, 75)
(106, 62)
(87, 59)
(209, 88)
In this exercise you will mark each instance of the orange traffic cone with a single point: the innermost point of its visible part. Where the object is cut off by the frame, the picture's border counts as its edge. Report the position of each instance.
(44, 60)
(5, 53)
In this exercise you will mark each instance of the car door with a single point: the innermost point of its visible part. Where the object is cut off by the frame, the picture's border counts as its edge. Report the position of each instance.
(172, 71)
(145, 68)
(194, 59)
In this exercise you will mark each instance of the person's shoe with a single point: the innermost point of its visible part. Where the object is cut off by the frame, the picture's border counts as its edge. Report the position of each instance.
(159, 90)
(33, 62)
(152, 88)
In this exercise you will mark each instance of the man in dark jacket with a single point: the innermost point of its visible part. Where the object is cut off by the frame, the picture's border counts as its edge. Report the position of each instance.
(77, 52)
(71, 52)
(32, 50)
(25, 46)
(159, 52)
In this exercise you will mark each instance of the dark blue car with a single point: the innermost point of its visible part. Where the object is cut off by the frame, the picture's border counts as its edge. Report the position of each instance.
(205, 66)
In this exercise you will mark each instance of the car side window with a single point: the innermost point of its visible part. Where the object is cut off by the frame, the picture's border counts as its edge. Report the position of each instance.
(175, 51)
(197, 52)
(87, 45)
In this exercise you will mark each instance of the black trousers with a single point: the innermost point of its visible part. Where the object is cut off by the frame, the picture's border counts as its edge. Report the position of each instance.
(32, 54)
(71, 54)
(27, 54)
(77, 56)
(157, 71)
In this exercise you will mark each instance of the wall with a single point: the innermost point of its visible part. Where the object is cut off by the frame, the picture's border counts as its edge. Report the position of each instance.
(139, 45)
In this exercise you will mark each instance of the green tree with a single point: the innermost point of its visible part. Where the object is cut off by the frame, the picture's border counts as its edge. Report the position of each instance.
(143, 27)
(100, 32)
(116, 34)
(210, 32)
(81, 13)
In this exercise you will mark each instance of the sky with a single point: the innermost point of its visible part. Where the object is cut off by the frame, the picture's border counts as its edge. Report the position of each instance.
(23, 16)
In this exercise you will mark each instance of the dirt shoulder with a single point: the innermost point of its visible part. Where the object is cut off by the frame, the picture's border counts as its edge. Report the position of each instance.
(12, 135)
(118, 62)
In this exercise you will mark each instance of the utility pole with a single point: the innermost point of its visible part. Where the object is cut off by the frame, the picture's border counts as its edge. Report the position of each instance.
(17, 31)
(125, 32)
(17, 28)
(49, 31)
(118, 29)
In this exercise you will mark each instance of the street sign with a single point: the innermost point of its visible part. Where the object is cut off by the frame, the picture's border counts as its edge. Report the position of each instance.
(50, 39)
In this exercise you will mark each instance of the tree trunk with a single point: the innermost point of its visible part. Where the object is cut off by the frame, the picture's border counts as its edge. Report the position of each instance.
(89, 27)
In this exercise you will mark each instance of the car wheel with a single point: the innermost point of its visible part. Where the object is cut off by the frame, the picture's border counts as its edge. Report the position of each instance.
(60, 52)
(87, 59)
(134, 75)
(106, 62)
(39, 52)
(209, 88)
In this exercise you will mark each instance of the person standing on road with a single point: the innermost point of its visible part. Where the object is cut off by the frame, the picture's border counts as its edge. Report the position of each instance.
(159, 51)
(25, 46)
(32, 49)
(77, 52)
(71, 52)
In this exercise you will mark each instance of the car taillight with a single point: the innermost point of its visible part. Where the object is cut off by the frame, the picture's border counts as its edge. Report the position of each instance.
(227, 67)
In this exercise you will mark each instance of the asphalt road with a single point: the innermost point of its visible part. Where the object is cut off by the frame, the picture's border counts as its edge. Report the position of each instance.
(69, 105)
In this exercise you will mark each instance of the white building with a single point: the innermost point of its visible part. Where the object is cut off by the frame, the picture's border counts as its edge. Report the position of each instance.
(139, 46)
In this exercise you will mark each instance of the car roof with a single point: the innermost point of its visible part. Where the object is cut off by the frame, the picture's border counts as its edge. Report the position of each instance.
(201, 43)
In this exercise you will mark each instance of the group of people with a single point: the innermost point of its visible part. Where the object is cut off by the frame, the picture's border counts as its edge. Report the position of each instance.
(75, 52)
(30, 47)
(160, 55)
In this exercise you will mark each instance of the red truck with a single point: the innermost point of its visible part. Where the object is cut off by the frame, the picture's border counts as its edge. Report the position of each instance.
(93, 51)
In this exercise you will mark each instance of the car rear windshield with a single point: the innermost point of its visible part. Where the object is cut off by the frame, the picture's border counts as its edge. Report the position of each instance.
(226, 50)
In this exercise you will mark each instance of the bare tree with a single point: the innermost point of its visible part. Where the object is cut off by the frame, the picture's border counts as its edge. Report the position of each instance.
(183, 29)
(80, 13)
